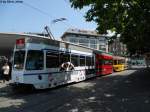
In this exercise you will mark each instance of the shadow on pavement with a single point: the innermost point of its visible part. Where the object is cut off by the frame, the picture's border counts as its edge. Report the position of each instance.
(5, 89)
(112, 93)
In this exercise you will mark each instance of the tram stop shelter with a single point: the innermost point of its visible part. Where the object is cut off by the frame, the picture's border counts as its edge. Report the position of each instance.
(7, 42)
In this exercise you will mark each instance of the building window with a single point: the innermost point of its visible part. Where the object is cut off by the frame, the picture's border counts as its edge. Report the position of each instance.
(93, 43)
(73, 40)
(102, 47)
(84, 42)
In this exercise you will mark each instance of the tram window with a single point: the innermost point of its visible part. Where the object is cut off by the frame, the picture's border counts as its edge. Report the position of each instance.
(82, 60)
(115, 62)
(64, 58)
(120, 61)
(34, 60)
(19, 59)
(52, 60)
(101, 62)
(93, 61)
(107, 62)
(75, 60)
(88, 61)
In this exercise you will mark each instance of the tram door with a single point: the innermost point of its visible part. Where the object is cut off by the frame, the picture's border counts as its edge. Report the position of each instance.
(98, 68)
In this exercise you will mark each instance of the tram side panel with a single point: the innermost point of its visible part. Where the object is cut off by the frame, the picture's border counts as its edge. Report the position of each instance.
(103, 64)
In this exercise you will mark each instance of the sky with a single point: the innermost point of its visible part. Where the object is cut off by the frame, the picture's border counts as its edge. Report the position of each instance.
(34, 15)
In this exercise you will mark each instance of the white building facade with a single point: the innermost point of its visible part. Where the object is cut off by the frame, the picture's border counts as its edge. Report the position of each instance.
(86, 38)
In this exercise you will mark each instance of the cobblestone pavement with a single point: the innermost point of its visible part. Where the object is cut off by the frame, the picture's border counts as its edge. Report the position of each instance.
(127, 91)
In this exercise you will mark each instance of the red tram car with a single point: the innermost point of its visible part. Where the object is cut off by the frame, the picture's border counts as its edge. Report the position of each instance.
(104, 65)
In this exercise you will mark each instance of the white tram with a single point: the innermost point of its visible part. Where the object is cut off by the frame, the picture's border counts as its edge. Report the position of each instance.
(46, 63)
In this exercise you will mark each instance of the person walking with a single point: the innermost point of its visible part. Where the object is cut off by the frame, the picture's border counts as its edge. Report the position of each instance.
(10, 69)
(5, 73)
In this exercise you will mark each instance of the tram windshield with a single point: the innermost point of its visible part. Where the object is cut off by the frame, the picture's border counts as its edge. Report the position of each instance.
(35, 60)
(19, 59)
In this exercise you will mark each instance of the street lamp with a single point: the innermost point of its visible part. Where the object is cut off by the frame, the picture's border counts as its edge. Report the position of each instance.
(58, 20)
(51, 36)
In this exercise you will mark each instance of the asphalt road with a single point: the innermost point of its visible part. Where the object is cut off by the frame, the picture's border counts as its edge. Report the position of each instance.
(127, 91)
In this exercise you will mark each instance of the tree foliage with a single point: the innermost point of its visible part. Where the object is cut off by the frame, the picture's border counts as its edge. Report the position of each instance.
(130, 18)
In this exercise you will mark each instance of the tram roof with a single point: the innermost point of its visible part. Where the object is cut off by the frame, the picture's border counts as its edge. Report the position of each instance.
(118, 57)
(100, 51)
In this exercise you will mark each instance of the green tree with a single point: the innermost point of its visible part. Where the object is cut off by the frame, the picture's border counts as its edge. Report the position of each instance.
(130, 18)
